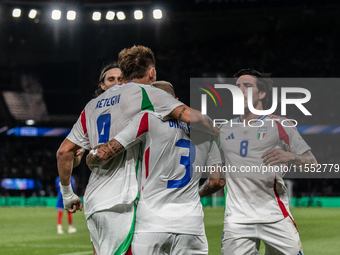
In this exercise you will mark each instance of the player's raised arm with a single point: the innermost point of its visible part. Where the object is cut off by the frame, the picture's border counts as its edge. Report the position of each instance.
(195, 119)
(65, 158)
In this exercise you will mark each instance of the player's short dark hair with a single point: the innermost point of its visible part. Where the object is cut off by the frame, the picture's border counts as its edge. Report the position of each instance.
(134, 62)
(264, 84)
(101, 78)
(166, 86)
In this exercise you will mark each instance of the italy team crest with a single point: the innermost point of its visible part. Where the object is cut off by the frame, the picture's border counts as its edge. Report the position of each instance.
(261, 133)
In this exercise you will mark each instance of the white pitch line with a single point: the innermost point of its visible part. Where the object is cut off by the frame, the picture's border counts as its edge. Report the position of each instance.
(78, 253)
(44, 245)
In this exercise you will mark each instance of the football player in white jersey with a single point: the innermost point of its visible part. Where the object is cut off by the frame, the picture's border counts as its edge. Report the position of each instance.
(110, 76)
(257, 201)
(110, 194)
(169, 217)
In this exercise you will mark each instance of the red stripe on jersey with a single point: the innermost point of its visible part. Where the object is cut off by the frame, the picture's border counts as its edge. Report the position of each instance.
(287, 120)
(144, 125)
(83, 122)
(129, 252)
(146, 160)
(281, 205)
(282, 133)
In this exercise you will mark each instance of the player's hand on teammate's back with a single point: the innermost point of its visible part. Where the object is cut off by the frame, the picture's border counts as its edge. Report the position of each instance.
(95, 157)
(276, 156)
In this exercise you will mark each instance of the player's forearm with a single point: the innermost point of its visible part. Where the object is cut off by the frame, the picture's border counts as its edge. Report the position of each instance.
(65, 166)
(65, 157)
(203, 123)
(303, 160)
(195, 119)
(211, 186)
(103, 153)
(78, 157)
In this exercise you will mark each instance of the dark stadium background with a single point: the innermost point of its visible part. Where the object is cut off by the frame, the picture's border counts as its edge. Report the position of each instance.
(59, 62)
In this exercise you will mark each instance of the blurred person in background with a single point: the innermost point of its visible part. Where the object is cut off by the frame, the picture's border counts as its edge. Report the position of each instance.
(60, 208)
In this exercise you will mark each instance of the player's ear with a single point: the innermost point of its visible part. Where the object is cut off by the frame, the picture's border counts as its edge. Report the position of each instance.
(262, 95)
(102, 85)
(152, 74)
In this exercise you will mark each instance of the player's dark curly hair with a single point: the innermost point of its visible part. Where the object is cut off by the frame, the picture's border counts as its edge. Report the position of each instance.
(264, 84)
(101, 79)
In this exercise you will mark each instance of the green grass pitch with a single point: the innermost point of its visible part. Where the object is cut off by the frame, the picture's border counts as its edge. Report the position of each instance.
(33, 230)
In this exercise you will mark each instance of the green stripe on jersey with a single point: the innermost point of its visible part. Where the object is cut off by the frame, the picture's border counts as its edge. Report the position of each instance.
(146, 103)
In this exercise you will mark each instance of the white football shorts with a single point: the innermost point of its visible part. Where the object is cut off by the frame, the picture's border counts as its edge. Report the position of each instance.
(111, 230)
(279, 237)
(158, 243)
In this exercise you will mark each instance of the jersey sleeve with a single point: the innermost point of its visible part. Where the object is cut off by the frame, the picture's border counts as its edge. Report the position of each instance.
(159, 101)
(78, 134)
(291, 140)
(213, 156)
(135, 131)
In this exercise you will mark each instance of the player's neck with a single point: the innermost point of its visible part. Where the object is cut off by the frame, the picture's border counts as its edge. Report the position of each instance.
(144, 80)
(248, 115)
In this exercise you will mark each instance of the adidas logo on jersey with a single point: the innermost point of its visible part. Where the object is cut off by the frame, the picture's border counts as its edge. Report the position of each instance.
(231, 136)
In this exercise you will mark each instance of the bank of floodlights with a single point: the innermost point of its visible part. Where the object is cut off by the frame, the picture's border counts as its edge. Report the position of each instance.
(96, 15)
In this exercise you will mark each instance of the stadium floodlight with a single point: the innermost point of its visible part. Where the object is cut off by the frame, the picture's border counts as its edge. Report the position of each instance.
(56, 15)
(32, 14)
(30, 122)
(96, 16)
(110, 15)
(16, 13)
(157, 14)
(138, 15)
(121, 15)
(71, 15)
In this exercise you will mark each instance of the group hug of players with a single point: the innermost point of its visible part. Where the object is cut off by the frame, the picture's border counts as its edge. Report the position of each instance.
(143, 195)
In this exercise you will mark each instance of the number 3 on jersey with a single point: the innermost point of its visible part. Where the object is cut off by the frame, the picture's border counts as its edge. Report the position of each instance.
(103, 127)
(244, 148)
(185, 161)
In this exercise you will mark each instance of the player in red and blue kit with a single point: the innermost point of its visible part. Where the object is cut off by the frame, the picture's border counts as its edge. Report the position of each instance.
(60, 208)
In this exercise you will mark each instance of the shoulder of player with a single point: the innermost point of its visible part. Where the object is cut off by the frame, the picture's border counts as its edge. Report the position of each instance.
(281, 122)
(280, 119)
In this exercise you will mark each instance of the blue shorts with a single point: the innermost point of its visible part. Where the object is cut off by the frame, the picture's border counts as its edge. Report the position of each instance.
(60, 204)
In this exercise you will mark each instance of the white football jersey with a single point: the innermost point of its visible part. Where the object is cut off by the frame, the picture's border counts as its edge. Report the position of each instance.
(102, 119)
(169, 199)
(257, 194)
